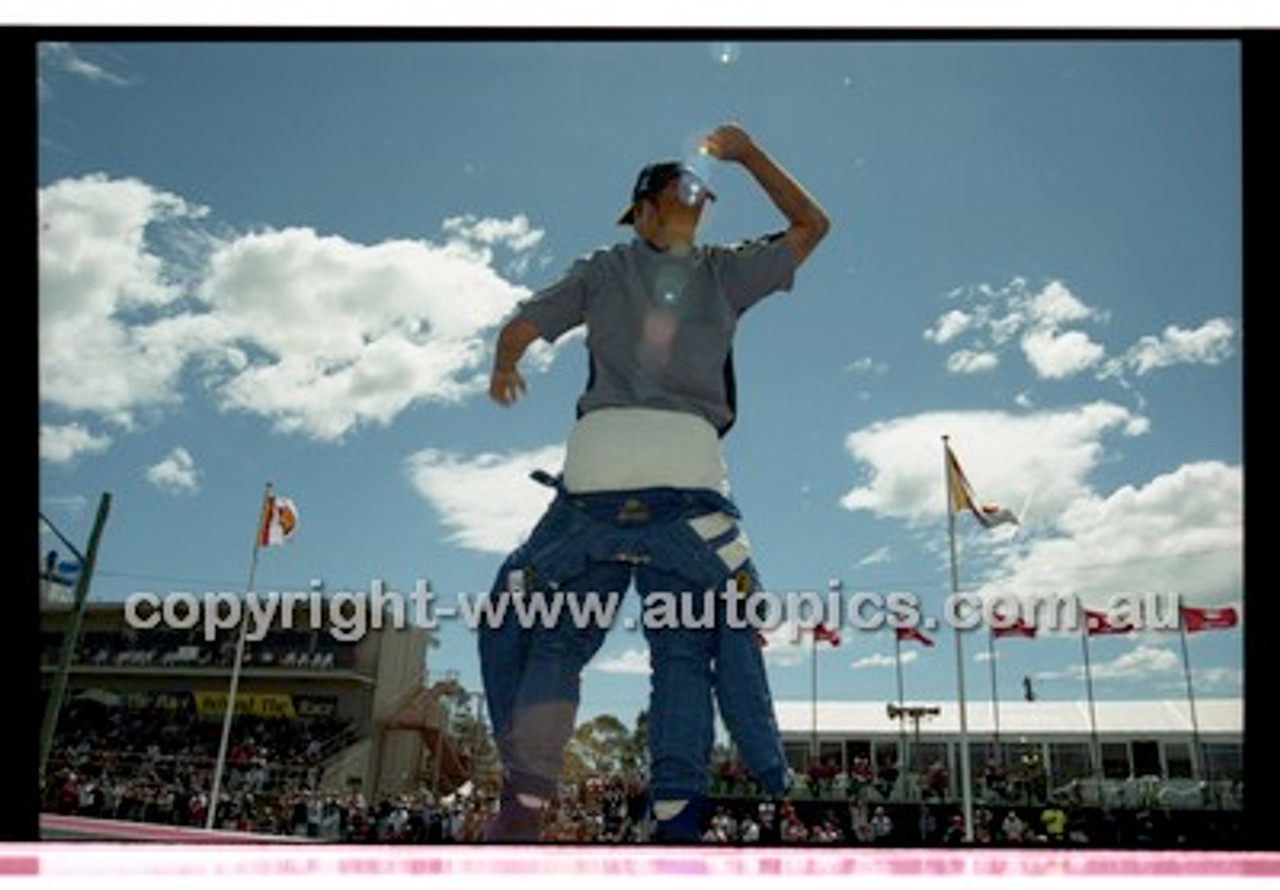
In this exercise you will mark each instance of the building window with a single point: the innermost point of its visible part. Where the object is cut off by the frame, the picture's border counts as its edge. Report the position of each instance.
(1069, 760)
(1223, 761)
(797, 754)
(1115, 760)
(926, 754)
(886, 757)
(1177, 760)
(830, 753)
(1146, 758)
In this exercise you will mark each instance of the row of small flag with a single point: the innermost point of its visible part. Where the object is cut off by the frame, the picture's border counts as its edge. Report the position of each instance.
(1194, 620)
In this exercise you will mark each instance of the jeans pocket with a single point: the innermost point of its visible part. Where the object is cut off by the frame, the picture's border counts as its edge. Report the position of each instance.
(557, 550)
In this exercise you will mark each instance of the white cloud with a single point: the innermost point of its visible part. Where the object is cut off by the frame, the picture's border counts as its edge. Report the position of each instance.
(60, 444)
(1007, 457)
(1208, 344)
(98, 281)
(949, 325)
(867, 365)
(1182, 532)
(385, 326)
(967, 361)
(176, 474)
(1046, 324)
(630, 661)
(317, 334)
(514, 233)
(1217, 678)
(488, 502)
(57, 56)
(878, 556)
(1142, 662)
(996, 316)
(1057, 356)
(883, 660)
(1055, 305)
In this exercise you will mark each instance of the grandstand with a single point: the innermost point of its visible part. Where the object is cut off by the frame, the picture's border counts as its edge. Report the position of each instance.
(1143, 748)
(882, 774)
(317, 719)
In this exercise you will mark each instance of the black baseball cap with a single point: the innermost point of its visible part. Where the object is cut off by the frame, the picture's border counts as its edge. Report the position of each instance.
(654, 178)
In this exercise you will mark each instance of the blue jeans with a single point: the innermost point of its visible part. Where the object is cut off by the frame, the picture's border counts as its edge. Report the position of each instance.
(600, 543)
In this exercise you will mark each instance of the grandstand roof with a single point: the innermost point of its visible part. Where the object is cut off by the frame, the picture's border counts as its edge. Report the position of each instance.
(1221, 716)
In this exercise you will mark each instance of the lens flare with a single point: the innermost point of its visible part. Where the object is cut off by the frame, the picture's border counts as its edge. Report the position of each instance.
(725, 53)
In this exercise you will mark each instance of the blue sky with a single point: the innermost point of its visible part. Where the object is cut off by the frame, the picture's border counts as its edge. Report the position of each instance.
(286, 262)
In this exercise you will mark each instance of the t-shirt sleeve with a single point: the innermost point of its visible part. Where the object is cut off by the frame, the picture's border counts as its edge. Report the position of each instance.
(561, 306)
(752, 270)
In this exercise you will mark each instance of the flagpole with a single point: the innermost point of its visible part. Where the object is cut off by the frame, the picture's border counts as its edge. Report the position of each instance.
(1196, 767)
(1096, 751)
(813, 716)
(995, 693)
(965, 782)
(212, 814)
(902, 719)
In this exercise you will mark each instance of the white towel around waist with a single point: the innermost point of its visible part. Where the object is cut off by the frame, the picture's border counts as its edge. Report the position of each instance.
(615, 449)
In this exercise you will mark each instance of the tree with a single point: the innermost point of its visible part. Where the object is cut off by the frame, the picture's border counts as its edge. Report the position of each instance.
(604, 745)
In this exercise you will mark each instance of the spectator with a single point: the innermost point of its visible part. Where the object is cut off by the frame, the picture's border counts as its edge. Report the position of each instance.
(928, 825)
(936, 779)
(881, 826)
(887, 777)
(860, 824)
(1013, 827)
(861, 777)
(982, 819)
(954, 834)
(1054, 821)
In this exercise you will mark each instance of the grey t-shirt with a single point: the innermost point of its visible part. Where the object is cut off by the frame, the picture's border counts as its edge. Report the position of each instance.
(660, 326)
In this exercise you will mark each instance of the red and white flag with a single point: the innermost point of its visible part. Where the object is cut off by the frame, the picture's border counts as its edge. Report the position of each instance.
(1195, 620)
(279, 521)
(1017, 628)
(911, 633)
(962, 497)
(821, 633)
(1096, 623)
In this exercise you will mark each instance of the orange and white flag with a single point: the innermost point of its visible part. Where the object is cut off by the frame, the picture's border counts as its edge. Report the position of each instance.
(279, 521)
(962, 498)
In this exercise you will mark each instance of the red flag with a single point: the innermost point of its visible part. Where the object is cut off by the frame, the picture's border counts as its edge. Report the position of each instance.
(910, 633)
(1019, 628)
(1096, 623)
(761, 640)
(1196, 620)
(822, 633)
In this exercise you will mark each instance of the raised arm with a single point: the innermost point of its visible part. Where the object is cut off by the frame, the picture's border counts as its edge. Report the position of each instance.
(808, 221)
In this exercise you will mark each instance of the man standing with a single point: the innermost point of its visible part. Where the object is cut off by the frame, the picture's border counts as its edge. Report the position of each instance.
(644, 492)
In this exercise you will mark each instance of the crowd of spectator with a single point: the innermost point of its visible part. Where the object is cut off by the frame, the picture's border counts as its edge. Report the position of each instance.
(155, 765)
(1022, 783)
